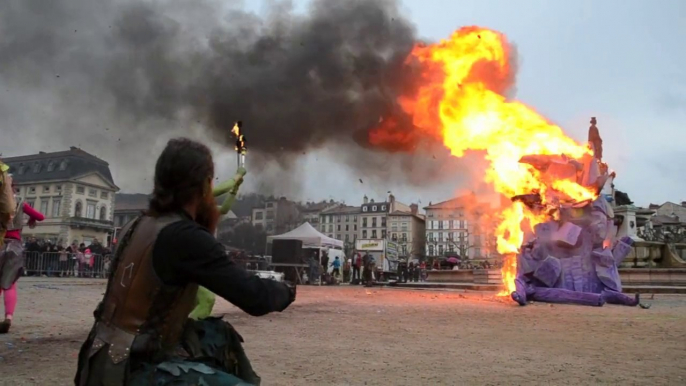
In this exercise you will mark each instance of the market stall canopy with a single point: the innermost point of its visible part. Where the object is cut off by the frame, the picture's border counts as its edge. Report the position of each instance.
(309, 236)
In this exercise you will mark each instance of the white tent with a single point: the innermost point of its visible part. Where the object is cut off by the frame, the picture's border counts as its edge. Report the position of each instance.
(310, 237)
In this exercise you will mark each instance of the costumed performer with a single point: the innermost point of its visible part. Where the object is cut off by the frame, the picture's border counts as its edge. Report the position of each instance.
(142, 334)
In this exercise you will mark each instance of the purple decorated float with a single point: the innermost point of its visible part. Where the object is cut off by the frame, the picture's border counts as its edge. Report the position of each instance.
(574, 256)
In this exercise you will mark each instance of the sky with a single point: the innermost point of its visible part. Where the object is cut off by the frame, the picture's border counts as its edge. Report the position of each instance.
(620, 61)
(616, 60)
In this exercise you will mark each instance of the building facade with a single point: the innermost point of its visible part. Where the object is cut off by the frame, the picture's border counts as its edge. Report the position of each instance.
(73, 189)
(340, 223)
(460, 227)
(277, 216)
(409, 231)
(311, 212)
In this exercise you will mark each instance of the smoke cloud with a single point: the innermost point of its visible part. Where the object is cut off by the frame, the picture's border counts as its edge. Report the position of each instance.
(118, 78)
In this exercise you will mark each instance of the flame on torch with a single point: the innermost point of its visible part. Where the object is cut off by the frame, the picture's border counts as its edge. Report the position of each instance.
(240, 146)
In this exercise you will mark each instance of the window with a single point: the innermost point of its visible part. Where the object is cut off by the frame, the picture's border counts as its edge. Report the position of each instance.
(63, 165)
(270, 215)
(36, 167)
(364, 222)
(404, 227)
(440, 224)
(440, 249)
(46, 188)
(451, 247)
(323, 228)
(347, 237)
(347, 218)
(338, 227)
(80, 190)
(44, 206)
(364, 234)
(431, 250)
(355, 227)
(404, 237)
(347, 227)
(383, 207)
(269, 205)
(103, 212)
(78, 209)
(58, 189)
(104, 195)
(364, 208)
(22, 169)
(394, 236)
(51, 165)
(373, 233)
(383, 222)
(373, 222)
(90, 210)
(31, 203)
(338, 218)
(354, 218)
(32, 190)
(383, 233)
(477, 252)
(440, 236)
(330, 228)
(259, 215)
(374, 208)
(92, 193)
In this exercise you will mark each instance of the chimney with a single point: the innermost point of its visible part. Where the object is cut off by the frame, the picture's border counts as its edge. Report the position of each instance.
(372, 200)
(683, 203)
(365, 200)
(72, 148)
(414, 208)
(41, 152)
(391, 198)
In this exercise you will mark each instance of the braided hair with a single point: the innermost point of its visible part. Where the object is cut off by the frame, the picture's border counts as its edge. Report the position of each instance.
(181, 173)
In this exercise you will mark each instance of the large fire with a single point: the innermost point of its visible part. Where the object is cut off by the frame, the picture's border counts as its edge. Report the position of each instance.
(460, 102)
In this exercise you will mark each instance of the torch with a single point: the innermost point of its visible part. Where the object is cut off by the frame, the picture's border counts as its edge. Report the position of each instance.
(240, 147)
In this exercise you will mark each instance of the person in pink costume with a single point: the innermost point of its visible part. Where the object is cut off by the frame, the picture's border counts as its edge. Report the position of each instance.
(12, 259)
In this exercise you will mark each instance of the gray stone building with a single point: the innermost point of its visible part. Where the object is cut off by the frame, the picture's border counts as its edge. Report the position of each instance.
(73, 189)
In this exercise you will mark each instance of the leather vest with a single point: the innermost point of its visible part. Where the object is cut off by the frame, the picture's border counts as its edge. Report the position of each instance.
(140, 315)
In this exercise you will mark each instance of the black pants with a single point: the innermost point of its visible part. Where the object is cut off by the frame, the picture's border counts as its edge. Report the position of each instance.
(336, 272)
(356, 273)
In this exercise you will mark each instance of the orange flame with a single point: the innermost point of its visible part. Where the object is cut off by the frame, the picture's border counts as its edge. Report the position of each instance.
(460, 102)
(240, 138)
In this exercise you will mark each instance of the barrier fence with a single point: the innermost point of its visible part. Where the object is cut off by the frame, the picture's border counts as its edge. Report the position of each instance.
(62, 264)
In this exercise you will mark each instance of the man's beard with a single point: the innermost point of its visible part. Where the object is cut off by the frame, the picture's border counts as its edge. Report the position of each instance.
(208, 214)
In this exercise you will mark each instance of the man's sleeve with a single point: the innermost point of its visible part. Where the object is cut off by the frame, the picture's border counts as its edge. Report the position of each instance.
(207, 264)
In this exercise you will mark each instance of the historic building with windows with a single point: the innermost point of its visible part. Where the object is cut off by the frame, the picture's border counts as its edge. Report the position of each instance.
(75, 191)
(278, 216)
(340, 223)
(460, 227)
(408, 230)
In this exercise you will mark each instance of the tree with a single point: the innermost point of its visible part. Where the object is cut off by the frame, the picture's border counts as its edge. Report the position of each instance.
(247, 237)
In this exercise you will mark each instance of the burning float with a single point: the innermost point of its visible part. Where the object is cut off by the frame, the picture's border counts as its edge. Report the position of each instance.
(572, 256)
(557, 233)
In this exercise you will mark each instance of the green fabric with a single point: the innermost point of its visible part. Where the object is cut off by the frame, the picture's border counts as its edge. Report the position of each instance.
(204, 304)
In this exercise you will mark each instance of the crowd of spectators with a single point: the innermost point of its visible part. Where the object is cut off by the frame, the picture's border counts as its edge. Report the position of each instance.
(46, 258)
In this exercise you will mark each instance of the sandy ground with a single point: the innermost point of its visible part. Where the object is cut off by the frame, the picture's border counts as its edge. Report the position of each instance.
(355, 336)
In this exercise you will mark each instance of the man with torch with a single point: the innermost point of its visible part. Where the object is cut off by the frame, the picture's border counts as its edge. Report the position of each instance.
(142, 334)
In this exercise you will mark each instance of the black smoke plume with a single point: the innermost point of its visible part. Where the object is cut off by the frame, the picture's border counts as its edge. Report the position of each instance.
(117, 78)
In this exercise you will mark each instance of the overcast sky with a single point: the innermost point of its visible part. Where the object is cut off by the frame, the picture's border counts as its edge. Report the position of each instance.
(621, 61)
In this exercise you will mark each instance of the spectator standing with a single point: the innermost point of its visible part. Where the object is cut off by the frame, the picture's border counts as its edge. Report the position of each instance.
(357, 266)
(336, 264)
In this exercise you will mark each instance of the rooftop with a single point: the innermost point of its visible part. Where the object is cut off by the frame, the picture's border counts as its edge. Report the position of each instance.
(131, 201)
(343, 210)
(57, 166)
